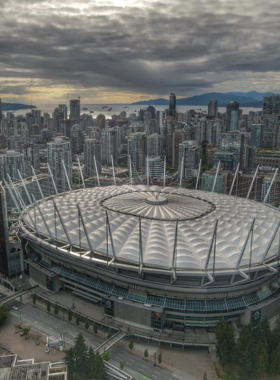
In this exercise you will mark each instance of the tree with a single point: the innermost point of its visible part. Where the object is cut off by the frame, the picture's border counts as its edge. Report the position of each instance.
(146, 353)
(25, 331)
(83, 363)
(247, 354)
(34, 298)
(121, 365)
(159, 357)
(77, 319)
(131, 344)
(106, 356)
(275, 360)
(70, 315)
(225, 345)
(3, 315)
(86, 323)
(205, 376)
(48, 306)
(70, 361)
(95, 327)
(56, 309)
(100, 372)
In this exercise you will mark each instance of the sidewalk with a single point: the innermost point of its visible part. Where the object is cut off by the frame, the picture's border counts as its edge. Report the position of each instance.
(191, 337)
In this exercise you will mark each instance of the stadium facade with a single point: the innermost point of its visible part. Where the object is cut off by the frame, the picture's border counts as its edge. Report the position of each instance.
(157, 256)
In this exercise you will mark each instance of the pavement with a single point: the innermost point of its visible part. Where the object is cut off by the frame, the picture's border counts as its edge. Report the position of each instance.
(51, 326)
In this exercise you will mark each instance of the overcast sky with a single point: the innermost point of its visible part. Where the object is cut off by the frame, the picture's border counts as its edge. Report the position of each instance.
(127, 50)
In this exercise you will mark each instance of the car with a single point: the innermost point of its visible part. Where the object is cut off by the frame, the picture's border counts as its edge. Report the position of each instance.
(15, 307)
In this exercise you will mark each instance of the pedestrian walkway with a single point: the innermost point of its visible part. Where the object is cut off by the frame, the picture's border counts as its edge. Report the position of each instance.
(105, 346)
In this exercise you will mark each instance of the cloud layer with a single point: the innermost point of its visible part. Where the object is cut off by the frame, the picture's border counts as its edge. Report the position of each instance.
(124, 49)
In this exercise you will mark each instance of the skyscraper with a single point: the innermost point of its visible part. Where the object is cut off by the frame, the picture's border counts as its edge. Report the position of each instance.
(10, 163)
(92, 149)
(137, 149)
(257, 131)
(172, 105)
(76, 139)
(58, 151)
(271, 106)
(213, 108)
(232, 117)
(11, 255)
(63, 109)
(1, 115)
(75, 109)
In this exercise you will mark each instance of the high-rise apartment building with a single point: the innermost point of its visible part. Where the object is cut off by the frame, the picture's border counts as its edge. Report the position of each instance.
(213, 108)
(154, 145)
(152, 127)
(10, 163)
(11, 255)
(190, 155)
(76, 139)
(1, 114)
(271, 106)
(156, 166)
(172, 105)
(109, 145)
(232, 117)
(137, 150)
(58, 151)
(63, 109)
(75, 109)
(92, 149)
(257, 131)
(178, 137)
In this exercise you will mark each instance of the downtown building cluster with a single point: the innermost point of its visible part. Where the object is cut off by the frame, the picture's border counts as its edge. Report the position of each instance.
(149, 251)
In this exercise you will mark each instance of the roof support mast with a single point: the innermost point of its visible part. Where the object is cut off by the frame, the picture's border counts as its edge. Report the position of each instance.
(147, 168)
(130, 171)
(25, 188)
(53, 182)
(66, 175)
(38, 185)
(198, 174)
(81, 172)
(164, 172)
(234, 178)
(245, 244)
(181, 171)
(113, 170)
(96, 172)
(252, 183)
(270, 186)
(174, 252)
(216, 176)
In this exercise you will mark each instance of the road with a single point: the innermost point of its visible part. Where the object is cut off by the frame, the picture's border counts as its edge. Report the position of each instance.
(53, 327)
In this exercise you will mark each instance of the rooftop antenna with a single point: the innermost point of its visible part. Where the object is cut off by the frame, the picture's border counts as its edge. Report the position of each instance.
(164, 172)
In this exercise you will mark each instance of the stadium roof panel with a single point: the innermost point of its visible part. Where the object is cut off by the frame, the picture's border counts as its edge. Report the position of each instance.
(138, 224)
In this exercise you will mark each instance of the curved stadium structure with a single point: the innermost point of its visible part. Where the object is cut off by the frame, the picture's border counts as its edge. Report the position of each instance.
(157, 256)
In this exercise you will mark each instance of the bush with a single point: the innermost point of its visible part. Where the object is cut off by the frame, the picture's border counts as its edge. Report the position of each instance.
(146, 353)
(131, 344)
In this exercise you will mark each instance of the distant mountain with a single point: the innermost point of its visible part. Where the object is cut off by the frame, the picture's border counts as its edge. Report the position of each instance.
(254, 94)
(16, 106)
(248, 99)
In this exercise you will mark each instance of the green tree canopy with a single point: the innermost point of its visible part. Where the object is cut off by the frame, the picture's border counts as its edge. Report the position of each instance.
(3, 315)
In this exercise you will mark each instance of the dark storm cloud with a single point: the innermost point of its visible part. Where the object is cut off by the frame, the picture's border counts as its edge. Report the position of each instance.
(156, 48)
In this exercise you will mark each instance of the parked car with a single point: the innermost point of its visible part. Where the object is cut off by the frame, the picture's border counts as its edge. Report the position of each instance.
(15, 307)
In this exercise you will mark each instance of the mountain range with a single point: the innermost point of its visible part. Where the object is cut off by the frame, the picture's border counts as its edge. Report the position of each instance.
(15, 106)
(245, 99)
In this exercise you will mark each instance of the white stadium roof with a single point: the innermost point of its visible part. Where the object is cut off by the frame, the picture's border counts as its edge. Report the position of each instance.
(154, 211)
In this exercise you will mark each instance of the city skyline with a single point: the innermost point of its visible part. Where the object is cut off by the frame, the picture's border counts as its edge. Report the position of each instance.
(124, 51)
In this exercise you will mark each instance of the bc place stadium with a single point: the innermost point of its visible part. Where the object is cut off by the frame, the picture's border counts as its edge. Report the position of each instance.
(157, 257)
